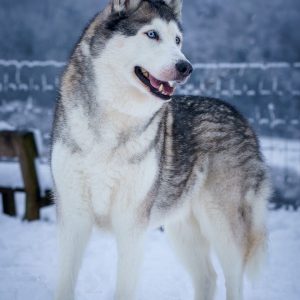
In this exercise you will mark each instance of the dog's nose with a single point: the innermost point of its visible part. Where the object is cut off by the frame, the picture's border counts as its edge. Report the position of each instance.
(184, 68)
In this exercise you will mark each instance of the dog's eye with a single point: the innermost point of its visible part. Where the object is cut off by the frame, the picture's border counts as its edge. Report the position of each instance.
(178, 40)
(152, 34)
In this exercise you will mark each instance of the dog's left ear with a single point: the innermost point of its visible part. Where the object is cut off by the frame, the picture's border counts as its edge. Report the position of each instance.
(125, 5)
(176, 5)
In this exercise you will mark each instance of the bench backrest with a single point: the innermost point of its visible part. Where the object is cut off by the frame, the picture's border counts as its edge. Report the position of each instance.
(21, 145)
(12, 141)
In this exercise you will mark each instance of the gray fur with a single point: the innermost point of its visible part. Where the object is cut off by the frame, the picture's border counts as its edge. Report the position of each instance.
(207, 130)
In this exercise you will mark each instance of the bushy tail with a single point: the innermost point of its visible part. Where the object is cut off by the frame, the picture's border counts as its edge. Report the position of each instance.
(258, 238)
(256, 257)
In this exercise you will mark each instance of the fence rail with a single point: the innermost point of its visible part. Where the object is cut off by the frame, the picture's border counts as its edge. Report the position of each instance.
(12, 80)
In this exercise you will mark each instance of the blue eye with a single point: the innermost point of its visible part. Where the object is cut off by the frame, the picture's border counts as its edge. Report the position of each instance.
(152, 34)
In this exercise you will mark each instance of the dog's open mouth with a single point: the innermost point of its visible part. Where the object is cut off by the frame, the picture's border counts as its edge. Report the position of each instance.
(161, 89)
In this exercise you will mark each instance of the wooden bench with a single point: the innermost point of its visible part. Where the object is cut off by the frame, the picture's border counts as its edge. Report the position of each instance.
(21, 145)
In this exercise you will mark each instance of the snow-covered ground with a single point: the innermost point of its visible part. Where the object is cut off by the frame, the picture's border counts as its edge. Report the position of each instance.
(28, 263)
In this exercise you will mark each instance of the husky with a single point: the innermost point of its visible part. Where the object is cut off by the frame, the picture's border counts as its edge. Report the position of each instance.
(128, 156)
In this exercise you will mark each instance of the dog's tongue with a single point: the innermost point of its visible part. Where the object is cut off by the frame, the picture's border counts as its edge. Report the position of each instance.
(168, 89)
(156, 83)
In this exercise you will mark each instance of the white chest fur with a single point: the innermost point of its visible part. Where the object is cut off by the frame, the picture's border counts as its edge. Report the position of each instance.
(121, 168)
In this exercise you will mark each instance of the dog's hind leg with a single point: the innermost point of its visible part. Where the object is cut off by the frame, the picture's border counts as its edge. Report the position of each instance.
(232, 261)
(194, 251)
(226, 235)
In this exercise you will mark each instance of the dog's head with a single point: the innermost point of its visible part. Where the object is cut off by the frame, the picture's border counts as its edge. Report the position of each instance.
(143, 45)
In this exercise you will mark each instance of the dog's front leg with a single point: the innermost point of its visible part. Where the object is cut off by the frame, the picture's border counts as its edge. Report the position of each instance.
(74, 232)
(130, 245)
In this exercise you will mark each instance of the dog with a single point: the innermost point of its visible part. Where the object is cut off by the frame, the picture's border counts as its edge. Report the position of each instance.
(127, 156)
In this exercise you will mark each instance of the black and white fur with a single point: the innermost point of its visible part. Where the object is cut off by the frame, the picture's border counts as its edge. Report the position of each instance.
(126, 157)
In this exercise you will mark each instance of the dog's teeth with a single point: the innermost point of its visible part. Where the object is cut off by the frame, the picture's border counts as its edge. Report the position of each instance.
(161, 87)
(145, 73)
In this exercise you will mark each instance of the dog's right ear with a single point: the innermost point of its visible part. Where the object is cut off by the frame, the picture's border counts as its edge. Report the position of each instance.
(119, 6)
(176, 5)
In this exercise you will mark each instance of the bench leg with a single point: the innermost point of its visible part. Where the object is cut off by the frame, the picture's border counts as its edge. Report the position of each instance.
(8, 200)
(32, 209)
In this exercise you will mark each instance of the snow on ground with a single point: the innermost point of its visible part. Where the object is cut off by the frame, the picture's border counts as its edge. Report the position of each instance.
(28, 263)
(10, 174)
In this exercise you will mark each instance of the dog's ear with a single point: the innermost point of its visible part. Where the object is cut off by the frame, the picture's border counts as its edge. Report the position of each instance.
(176, 5)
(124, 5)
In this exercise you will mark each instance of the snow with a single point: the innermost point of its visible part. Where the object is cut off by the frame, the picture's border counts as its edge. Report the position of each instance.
(10, 174)
(31, 64)
(248, 65)
(28, 263)
(5, 126)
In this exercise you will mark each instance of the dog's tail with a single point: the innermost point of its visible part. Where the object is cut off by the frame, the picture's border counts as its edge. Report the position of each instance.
(256, 256)
(258, 238)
